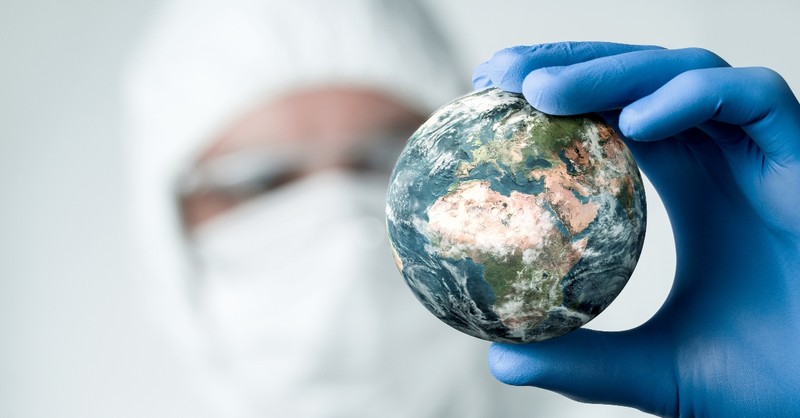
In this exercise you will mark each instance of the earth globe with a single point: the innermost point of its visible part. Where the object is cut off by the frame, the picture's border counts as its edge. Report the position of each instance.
(512, 225)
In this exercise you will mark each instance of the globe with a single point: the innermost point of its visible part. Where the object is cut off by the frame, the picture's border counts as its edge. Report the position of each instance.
(512, 225)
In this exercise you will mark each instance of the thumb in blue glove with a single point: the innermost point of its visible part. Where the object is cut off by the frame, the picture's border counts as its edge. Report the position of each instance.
(722, 147)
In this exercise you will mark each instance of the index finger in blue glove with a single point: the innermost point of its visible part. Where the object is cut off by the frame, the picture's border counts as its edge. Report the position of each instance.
(508, 67)
(610, 82)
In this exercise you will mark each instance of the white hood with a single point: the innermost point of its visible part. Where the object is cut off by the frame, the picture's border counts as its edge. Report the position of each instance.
(202, 64)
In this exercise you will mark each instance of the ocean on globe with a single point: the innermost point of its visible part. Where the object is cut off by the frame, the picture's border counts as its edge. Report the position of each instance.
(512, 225)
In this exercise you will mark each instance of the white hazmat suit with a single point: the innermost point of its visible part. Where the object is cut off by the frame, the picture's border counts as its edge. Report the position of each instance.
(290, 305)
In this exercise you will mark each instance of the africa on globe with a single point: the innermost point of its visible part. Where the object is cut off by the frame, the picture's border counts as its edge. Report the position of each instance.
(512, 225)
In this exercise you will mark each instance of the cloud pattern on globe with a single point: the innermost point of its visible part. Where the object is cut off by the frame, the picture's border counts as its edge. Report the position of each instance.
(512, 225)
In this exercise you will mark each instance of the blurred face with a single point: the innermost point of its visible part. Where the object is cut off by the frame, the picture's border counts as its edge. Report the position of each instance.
(287, 139)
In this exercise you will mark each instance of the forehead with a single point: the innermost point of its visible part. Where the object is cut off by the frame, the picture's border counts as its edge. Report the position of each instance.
(315, 119)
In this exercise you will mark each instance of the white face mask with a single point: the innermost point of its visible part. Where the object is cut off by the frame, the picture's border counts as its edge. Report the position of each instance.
(324, 218)
(310, 316)
(275, 267)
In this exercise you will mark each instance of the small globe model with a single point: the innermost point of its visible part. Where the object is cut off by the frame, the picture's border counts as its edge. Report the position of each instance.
(511, 225)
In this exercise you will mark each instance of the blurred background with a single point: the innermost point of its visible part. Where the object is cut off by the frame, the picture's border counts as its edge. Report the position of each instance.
(75, 336)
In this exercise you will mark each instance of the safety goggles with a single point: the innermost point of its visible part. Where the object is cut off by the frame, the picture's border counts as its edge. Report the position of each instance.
(251, 171)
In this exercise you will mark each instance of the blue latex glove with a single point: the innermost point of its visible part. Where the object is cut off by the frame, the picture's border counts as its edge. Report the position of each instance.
(722, 147)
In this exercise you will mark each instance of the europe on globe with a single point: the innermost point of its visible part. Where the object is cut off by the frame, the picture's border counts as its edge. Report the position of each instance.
(512, 225)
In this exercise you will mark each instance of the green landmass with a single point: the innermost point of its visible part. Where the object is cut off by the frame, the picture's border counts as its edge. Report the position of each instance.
(510, 278)
(625, 198)
(557, 132)
(500, 274)
(543, 140)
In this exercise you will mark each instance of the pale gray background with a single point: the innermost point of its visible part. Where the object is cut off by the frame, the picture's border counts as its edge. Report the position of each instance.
(74, 341)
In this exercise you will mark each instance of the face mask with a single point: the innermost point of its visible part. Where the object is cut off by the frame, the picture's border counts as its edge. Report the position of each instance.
(270, 267)
(309, 316)
(283, 279)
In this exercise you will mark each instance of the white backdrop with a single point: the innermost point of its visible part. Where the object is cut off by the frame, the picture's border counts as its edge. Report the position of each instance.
(74, 339)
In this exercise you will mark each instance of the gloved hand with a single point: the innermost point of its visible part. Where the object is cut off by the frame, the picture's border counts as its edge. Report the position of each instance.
(722, 147)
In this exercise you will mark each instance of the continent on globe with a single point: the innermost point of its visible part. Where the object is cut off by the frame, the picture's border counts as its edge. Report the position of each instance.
(512, 225)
